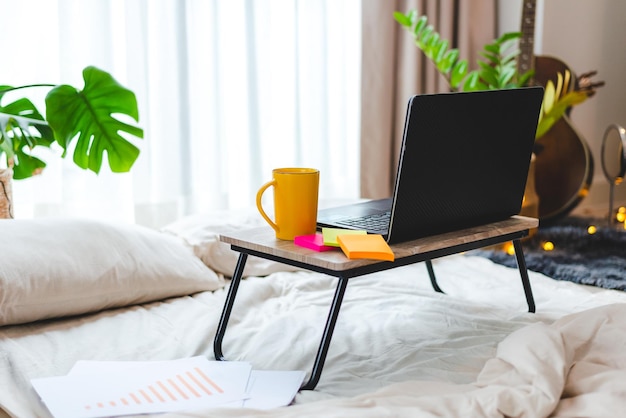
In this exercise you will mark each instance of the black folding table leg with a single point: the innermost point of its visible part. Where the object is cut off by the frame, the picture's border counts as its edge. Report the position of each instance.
(326, 337)
(523, 271)
(433, 278)
(228, 306)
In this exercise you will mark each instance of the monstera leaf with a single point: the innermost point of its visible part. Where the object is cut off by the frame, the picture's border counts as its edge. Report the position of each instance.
(22, 128)
(88, 117)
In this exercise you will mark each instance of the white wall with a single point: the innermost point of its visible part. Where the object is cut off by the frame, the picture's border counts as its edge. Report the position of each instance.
(587, 35)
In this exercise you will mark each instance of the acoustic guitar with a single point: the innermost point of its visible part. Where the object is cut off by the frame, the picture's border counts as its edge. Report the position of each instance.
(563, 164)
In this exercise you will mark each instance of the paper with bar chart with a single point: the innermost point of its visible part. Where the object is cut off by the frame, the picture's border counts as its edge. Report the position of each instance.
(101, 389)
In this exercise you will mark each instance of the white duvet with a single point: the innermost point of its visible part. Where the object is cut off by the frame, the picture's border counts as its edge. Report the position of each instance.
(399, 348)
(572, 368)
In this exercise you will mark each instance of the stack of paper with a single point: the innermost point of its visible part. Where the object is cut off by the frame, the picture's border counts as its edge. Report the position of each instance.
(114, 388)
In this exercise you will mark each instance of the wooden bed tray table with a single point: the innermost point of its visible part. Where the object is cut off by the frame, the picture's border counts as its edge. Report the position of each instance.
(262, 242)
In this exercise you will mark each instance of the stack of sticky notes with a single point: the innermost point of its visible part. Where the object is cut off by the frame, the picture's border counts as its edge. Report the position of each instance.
(330, 235)
(371, 246)
(358, 244)
(313, 242)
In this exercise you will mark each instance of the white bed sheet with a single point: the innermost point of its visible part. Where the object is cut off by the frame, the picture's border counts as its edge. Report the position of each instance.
(396, 340)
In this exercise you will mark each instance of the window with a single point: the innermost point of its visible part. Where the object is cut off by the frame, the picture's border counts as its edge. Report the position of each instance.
(227, 91)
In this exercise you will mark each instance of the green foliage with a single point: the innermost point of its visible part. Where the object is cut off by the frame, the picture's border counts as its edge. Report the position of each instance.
(22, 128)
(87, 116)
(556, 101)
(499, 71)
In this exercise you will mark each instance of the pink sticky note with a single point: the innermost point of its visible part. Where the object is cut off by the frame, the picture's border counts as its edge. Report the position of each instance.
(313, 242)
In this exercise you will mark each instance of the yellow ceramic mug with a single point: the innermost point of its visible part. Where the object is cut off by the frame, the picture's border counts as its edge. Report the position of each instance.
(295, 201)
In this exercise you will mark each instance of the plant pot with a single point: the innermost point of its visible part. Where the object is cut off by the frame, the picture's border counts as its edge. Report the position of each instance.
(6, 193)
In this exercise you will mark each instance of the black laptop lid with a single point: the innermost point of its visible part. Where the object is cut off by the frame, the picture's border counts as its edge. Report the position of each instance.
(464, 160)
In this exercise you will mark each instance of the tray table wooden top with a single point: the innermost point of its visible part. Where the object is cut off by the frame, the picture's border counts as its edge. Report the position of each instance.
(264, 241)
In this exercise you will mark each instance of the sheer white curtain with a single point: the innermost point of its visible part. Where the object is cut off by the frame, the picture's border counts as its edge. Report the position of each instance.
(227, 90)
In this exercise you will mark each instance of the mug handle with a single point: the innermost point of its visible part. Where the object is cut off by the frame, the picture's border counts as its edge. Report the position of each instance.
(259, 205)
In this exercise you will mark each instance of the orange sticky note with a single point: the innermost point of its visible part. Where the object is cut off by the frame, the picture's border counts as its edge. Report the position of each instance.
(371, 246)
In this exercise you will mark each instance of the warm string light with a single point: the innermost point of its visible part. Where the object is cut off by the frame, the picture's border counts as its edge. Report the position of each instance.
(510, 249)
(620, 216)
(549, 245)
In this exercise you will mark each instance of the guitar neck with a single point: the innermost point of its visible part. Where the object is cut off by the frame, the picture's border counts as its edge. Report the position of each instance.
(526, 59)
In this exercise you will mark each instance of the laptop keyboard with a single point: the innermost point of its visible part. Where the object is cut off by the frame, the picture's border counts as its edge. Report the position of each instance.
(375, 222)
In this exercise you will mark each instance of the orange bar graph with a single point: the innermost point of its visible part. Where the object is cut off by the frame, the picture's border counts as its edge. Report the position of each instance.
(145, 395)
(177, 388)
(208, 380)
(135, 398)
(183, 386)
(167, 391)
(188, 386)
(199, 384)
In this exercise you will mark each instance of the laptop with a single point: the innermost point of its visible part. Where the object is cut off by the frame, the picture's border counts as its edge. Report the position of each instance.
(464, 162)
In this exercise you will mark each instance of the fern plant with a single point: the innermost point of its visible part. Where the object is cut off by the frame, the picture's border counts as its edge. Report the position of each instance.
(498, 71)
(87, 117)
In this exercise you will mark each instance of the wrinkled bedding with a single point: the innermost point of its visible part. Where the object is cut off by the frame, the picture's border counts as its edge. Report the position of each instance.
(399, 348)
(572, 368)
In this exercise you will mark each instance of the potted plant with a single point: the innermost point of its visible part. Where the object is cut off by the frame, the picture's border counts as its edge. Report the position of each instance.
(560, 153)
(86, 119)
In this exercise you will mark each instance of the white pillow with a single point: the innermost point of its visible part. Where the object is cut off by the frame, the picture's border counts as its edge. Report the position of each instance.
(202, 232)
(56, 267)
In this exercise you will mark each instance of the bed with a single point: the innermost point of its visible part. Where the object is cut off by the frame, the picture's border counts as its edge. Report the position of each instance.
(76, 289)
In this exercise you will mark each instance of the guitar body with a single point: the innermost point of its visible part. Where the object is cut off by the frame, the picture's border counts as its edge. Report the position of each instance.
(547, 67)
(563, 170)
(564, 163)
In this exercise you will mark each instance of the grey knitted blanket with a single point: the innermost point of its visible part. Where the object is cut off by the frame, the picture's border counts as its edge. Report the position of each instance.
(597, 259)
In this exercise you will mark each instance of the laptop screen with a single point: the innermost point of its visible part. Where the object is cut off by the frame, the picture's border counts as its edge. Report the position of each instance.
(464, 162)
